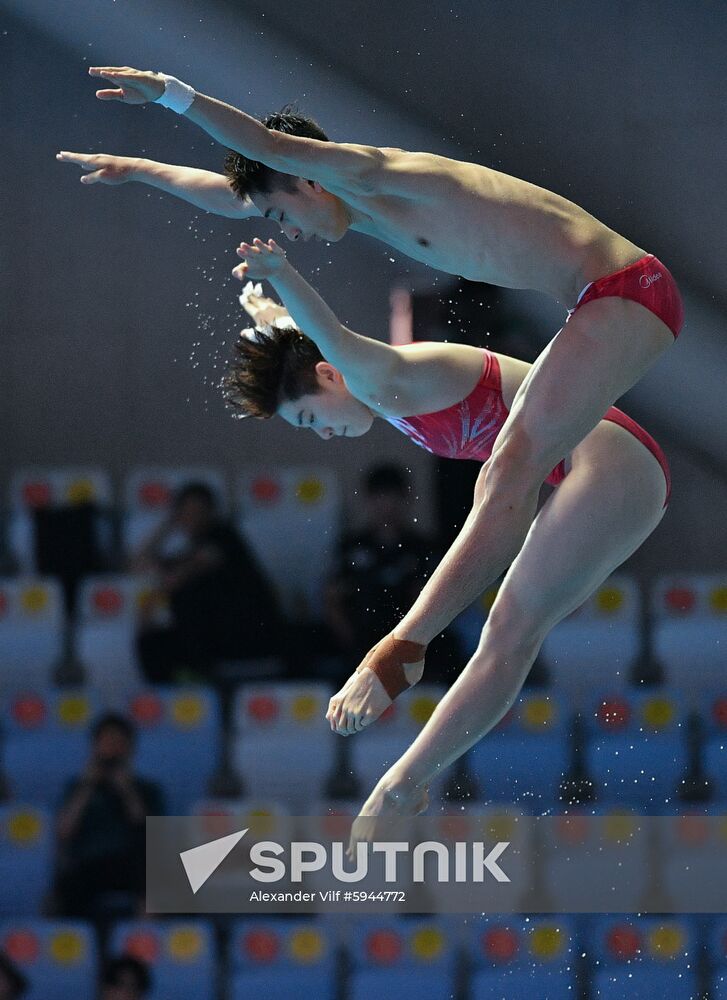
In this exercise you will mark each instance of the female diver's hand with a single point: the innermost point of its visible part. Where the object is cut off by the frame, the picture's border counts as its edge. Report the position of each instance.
(260, 260)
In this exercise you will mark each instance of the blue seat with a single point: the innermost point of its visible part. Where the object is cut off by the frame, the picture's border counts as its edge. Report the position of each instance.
(58, 958)
(406, 957)
(283, 747)
(37, 488)
(578, 861)
(46, 743)
(636, 749)
(515, 958)
(282, 984)
(179, 737)
(713, 713)
(689, 631)
(558, 983)
(642, 957)
(181, 955)
(291, 517)
(279, 958)
(32, 626)
(644, 982)
(502, 763)
(601, 640)
(26, 859)
(404, 984)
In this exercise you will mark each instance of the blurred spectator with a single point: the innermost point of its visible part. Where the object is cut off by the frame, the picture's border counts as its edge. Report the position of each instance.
(380, 571)
(13, 984)
(125, 978)
(221, 605)
(101, 827)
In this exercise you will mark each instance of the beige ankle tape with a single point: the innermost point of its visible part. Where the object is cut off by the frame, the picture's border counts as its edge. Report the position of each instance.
(387, 660)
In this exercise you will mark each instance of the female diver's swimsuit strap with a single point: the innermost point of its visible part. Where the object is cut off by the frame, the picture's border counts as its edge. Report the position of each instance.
(468, 429)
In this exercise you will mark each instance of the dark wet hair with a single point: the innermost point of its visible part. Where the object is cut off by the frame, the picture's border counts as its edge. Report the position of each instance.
(269, 368)
(248, 176)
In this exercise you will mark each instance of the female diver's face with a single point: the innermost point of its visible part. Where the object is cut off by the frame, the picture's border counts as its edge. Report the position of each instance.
(330, 412)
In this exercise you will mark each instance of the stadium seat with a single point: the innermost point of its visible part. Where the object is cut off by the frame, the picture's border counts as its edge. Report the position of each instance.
(58, 958)
(502, 763)
(26, 859)
(642, 957)
(401, 957)
(283, 747)
(105, 636)
(599, 643)
(179, 736)
(32, 625)
(714, 749)
(181, 955)
(689, 634)
(35, 489)
(291, 519)
(277, 959)
(595, 858)
(148, 493)
(717, 957)
(636, 750)
(516, 958)
(375, 749)
(694, 852)
(46, 743)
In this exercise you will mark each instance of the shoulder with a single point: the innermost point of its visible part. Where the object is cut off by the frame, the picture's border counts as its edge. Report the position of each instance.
(418, 174)
(433, 376)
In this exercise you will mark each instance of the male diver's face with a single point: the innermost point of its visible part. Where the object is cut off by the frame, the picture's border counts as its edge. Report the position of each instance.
(330, 412)
(304, 210)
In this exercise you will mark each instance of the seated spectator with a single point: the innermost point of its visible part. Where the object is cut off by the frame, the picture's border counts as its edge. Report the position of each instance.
(101, 828)
(221, 605)
(380, 571)
(13, 984)
(125, 978)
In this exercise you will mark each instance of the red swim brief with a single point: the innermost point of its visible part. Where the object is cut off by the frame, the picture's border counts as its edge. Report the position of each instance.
(646, 281)
(617, 416)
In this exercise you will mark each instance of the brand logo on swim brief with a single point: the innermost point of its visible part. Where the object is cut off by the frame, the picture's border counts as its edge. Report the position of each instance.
(647, 280)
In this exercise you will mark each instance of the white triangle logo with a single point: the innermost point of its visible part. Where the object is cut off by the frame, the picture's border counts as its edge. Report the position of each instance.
(200, 863)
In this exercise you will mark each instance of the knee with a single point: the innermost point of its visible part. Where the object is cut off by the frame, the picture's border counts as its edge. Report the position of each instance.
(520, 457)
(513, 628)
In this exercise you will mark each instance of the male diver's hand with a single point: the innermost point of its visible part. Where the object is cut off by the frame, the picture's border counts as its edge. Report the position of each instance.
(105, 169)
(131, 86)
(260, 260)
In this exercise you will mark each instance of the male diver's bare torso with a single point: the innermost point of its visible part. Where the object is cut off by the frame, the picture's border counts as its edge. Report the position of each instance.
(469, 220)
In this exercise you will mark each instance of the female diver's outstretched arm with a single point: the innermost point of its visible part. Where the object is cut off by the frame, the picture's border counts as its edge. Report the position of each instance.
(371, 368)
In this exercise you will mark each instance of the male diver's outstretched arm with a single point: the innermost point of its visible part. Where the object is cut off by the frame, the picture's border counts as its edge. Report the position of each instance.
(370, 367)
(343, 164)
(202, 188)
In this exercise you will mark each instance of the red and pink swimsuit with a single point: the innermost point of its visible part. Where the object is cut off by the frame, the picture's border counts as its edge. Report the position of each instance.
(468, 429)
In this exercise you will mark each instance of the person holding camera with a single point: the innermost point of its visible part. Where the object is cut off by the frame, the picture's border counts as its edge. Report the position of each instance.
(101, 827)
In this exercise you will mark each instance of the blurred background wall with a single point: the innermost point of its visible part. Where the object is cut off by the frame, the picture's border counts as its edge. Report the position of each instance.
(118, 310)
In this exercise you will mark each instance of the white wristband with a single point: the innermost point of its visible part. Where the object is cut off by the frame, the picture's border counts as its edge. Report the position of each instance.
(177, 96)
